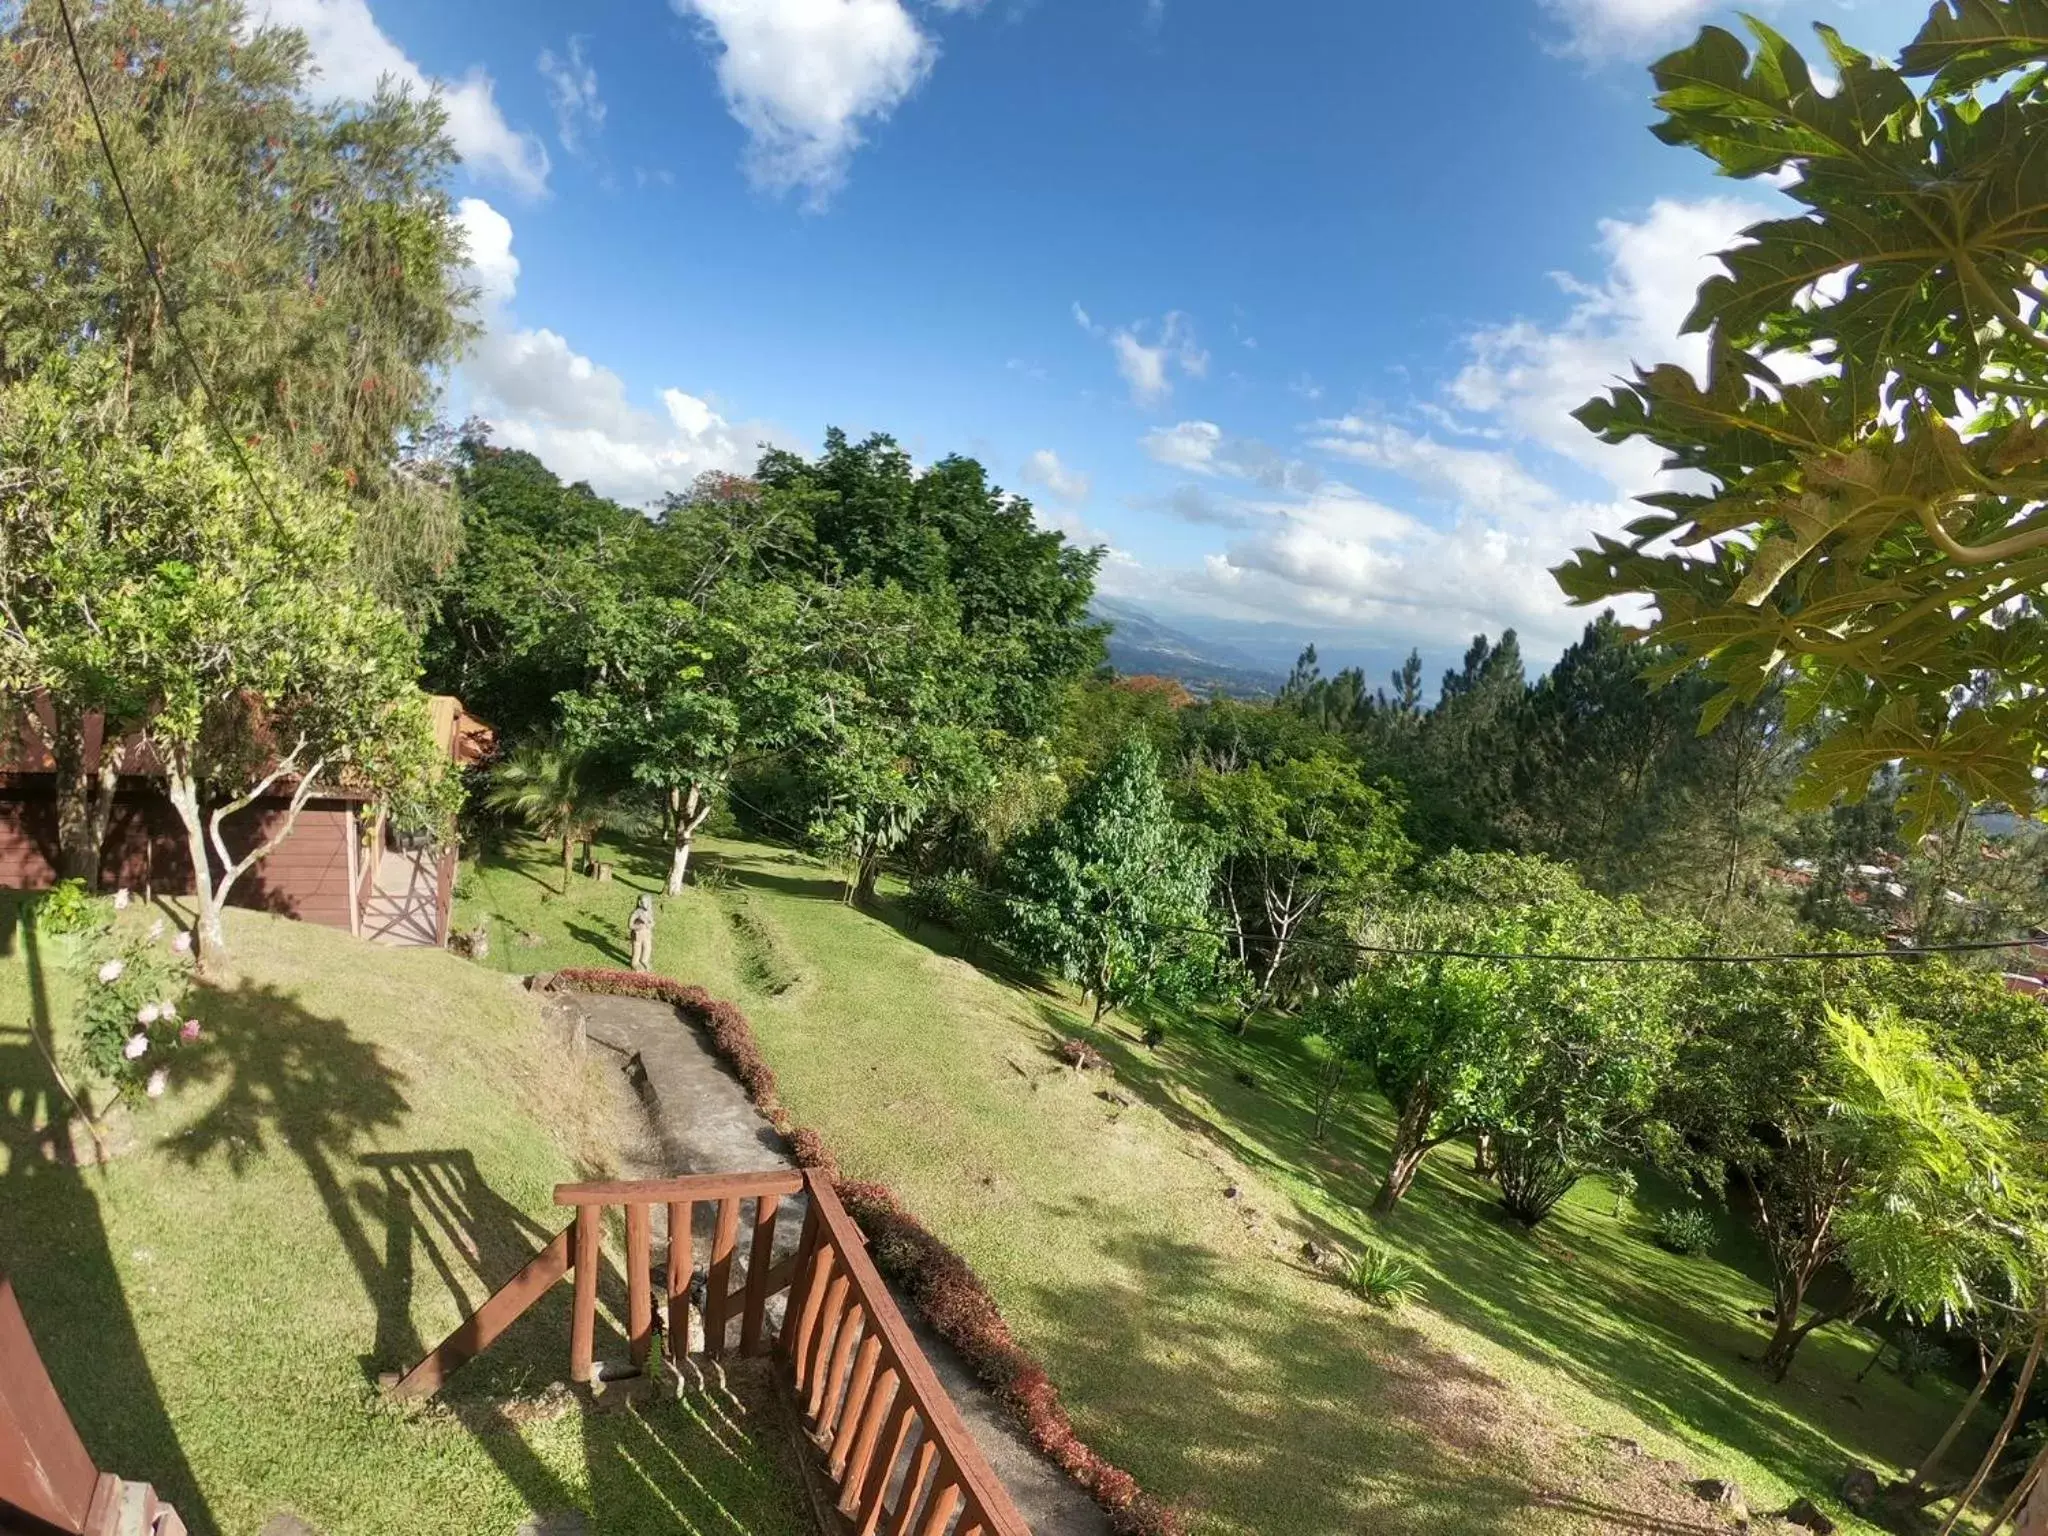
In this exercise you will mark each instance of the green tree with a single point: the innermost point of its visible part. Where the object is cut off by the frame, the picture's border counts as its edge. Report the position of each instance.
(1304, 847)
(1556, 1063)
(948, 530)
(225, 615)
(561, 792)
(1112, 893)
(1868, 432)
(311, 253)
(686, 695)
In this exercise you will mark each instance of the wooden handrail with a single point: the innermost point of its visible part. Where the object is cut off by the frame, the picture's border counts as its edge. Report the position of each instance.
(48, 1481)
(858, 1374)
(841, 1298)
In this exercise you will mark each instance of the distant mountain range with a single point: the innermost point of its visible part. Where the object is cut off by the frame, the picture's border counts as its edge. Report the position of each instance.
(1239, 657)
(1140, 644)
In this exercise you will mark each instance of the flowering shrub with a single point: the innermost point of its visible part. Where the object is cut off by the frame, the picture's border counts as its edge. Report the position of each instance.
(939, 1283)
(132, 1007)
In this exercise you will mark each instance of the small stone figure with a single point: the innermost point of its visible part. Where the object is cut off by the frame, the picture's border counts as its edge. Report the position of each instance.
(641, 927)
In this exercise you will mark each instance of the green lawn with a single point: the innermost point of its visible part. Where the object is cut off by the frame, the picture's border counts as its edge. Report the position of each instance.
(1192, 1344)
(366, 1145)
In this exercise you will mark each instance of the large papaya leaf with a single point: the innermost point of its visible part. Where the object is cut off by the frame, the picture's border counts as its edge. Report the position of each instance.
(1965, 42)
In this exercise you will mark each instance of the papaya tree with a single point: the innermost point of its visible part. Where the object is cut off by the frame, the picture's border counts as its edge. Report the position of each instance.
(1864, 518)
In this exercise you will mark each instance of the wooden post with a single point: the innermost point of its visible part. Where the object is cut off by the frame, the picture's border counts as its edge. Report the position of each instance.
(475, 1334)
(639, 1285)
(880, 1398)
(902, 1425)
(913, 1487)
(799, 1338)
(828, 1336)
(754, 1315)
(800, 1284)
(681, 1213)
(850, 1328)
(723, 1240)
(854, 1418)
(583, 1316)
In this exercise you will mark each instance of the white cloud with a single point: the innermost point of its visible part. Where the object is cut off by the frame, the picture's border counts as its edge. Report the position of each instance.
(1190, 445)
(1504, 464)
(1529, 378)
(1606, 29)
(804, 76)
(540, 394)
(351, 54)
(1204, 448)
(1045, 471)
(493, 270)
(1484, 479)
(572, 91)
(1148, 366)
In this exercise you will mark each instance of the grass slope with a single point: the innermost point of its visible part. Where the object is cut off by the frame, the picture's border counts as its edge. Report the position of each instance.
(1191, 1344)
(364, 1149)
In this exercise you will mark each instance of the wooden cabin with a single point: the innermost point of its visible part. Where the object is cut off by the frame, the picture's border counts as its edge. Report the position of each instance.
(338, 867)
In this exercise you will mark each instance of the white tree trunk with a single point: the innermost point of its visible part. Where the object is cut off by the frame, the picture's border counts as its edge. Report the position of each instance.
(689, 816)
(211, 937)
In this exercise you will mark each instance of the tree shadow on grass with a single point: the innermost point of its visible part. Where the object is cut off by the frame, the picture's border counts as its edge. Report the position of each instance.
(54, 1245)
(1282, 1415)
(598, 940)
(1584, 1295)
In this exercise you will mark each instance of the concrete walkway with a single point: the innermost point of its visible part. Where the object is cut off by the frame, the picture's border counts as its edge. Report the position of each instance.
(703, 1123)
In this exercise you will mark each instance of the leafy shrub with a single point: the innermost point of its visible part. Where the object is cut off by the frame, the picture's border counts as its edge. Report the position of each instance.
(1383, 1278)
(132, 1013)
(1685, 1229)
(955, 902)
(68, 908)
(1919, 1356)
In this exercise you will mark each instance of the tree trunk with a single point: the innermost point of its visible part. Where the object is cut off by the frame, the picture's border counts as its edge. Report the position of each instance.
(1411, 1146)
(688, 815)
(1916, 1482)
(1333, 1084)
(1785, 1337)
(2012, 1414)
(568, 855)
(1485, 1160)
(84, 800)
(210, 936)
(870, 875)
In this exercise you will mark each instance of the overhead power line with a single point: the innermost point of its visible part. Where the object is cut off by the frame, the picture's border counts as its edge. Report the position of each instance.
(151, 265)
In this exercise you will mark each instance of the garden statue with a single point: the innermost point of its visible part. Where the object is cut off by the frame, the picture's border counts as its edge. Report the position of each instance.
(641, 927)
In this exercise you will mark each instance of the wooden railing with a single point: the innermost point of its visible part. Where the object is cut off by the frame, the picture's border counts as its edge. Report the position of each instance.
(48, 1481)
(895, 1446)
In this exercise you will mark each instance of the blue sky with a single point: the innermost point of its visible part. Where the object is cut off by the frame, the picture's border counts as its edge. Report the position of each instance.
(1285, 303)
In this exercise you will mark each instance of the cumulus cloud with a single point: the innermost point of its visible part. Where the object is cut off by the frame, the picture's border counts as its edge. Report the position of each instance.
(1485, 479)
(540, 394)
(572, 92)
(1598, 30)
(1044, 471)
(1148, 366)
(1204, 448)
(350, 55)
(1479, 492)
(1528, 378)
(804, 77)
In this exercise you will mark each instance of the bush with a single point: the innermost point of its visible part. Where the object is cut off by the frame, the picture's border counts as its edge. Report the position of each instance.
(1919, 1356)
(68, 908)
(1082, 1056)
(131, 1006)
(1383, 1278)
(953, 901)
(1685, 1229)
(1623, 1182)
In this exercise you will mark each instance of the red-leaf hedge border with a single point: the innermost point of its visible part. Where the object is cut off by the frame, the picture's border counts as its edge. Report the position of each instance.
(941, 1284)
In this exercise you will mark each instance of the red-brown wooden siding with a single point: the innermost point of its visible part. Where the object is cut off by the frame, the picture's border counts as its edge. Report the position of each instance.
(305, 877)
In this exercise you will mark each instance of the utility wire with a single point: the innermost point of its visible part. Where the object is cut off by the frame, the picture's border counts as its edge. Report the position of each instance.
(149, 262)
(1402, 951)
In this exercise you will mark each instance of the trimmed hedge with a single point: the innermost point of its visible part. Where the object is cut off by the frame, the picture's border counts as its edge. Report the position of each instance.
(938, 1281)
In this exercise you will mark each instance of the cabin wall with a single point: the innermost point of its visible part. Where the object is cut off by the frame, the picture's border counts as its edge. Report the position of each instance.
(306, 877)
